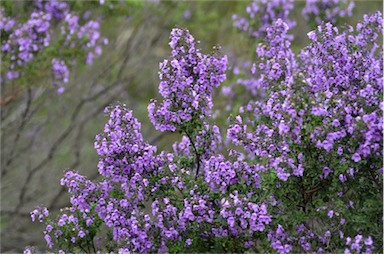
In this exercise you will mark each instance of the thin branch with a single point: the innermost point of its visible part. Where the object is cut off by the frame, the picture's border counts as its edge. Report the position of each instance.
(197, 154)
(19, 131)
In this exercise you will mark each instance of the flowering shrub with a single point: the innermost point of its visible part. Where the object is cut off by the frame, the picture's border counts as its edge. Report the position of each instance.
(187, 84)
(262, 14)
(34, 41)
(312, 135)
(22, 41)
(327, 10)
(300, 169)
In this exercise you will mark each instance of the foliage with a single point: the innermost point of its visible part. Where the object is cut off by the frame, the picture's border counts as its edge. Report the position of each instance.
(51, 38)
(300, 169)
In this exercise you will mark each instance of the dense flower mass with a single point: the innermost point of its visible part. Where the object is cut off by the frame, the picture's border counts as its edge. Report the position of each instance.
(327, 10)
(318, 110)
(187, 82)
(58, 9)
(349, 95)
(262, 13)
(300, 169)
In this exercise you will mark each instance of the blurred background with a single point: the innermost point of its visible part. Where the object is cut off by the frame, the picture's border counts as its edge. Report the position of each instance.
(44, 133)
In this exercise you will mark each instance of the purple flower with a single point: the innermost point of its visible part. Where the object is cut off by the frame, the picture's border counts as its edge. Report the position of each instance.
(356, 157)
(81, 234)
(342, 178)
(186, 83)
(49, 241)
(28, 250)
(60, 72)
(308, 105)
(39, 213)
(283, 128)
(231, 221)
(326, 172)
(368, 241)
(123, 203)
(327, 10)
(188, 241)
(57, 9)
(49, 228)
(262, 14)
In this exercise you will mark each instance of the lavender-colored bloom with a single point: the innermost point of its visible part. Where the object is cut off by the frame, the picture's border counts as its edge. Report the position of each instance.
(187, 83)
(368, 241)
(283, 128)
(342, 178)
(48, 239)
(327, 10)
(60, 72)
(81, 234)
(58, 9)
(151, 201)
(27, 250)
(49, 228)
(326, 172)
(25, 40)
(356, 157)
(338, 121)
(85, 36)
(40, 213)
(262, 14)
(188, 242)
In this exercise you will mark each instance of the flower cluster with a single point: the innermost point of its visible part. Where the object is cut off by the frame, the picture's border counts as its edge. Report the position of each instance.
(87, 36)
(24, 41)
(32, 41)
(278, 65)
(78, 224)
(245, 73)
(39, 213)
(301, 173)
(275, 61)
(60, 72)
(262, 13)
(327, 10)
(346, 101)
(319, 119)
(125, 157)
(244, 217)
(359, 244)
(128, 165)
(187, 83)
(221, 174)
(279, 239)
(58, 9)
